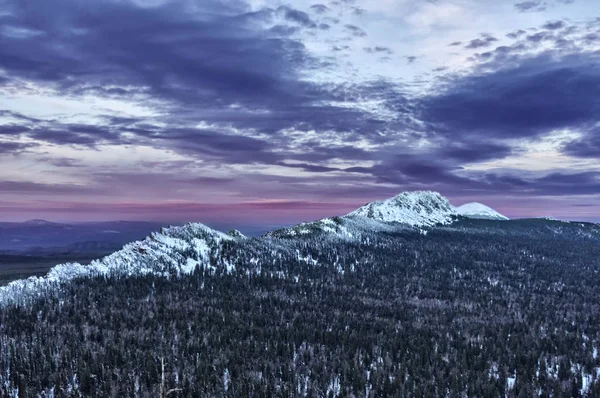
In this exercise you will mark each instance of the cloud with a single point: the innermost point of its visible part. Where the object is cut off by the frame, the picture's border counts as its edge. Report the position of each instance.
(26, 187)
(85, 135)
(297, 16)
(379, 49)
(358, 11)
(340, 48)
(14, 148)
(233, 94)
(516, 34)
(540, 37)
(554, 25)
(231, 148)
(355, 30)
(588, 146)
(319, 8)
(484, 41)
(309, 167)
(214, 63)
(531, 6)
(536, 96)
(202, 59)
(13, 129)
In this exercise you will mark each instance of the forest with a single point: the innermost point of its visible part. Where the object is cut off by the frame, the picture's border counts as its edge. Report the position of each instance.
(475, 309)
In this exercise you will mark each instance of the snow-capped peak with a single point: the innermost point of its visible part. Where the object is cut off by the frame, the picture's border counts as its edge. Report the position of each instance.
(417, 208)
(478, 210)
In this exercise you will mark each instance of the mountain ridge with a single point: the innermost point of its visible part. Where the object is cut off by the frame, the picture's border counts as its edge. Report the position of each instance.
(180, 250)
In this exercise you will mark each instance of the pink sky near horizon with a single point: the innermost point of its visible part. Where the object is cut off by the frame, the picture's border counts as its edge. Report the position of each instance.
(269, 212)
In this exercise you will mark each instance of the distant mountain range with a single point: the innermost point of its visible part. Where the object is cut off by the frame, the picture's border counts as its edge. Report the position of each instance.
(40, 236)
(182, 250)
(478, 210)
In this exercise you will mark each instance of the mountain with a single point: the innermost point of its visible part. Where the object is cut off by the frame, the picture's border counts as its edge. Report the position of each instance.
(172, 251)
(38, 221)
(478, 210)
(36, 235)
(343, 306)
(408, 210)
(418, 208)
(176, 251)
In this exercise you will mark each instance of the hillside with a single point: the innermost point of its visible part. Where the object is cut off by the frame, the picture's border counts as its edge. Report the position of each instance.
(350, 305)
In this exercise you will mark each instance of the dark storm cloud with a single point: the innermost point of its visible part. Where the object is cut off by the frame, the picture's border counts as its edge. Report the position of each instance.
(13, 129)
(175, 55)
(473, 152)
(213, 62)
(215, 145)
(13, 148)
(427, 171)
(75, 134)
(314, 151)
(584, 183)
(540, 94)
(61, 134)
(242, 74)
(588, 146)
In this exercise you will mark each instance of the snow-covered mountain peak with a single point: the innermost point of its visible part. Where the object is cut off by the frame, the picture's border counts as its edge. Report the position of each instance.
(416, 208)
(478, 210)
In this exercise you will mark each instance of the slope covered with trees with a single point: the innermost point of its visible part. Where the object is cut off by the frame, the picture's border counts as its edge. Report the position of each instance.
(475, 308)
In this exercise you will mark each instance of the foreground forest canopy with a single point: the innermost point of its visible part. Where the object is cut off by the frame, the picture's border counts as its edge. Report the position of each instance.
(476, 308)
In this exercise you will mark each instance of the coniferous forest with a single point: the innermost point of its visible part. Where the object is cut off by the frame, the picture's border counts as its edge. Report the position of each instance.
(475, 309)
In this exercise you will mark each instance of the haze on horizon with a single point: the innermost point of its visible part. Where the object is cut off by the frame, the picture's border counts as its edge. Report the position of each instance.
(263, 112)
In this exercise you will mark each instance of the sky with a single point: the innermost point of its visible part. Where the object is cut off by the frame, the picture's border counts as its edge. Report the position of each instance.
(266, 112)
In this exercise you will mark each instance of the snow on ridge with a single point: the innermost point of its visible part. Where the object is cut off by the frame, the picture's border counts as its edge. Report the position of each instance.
(412, 209)
(179, 250)
(173, 250)
(478, 210)
(416, 208)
